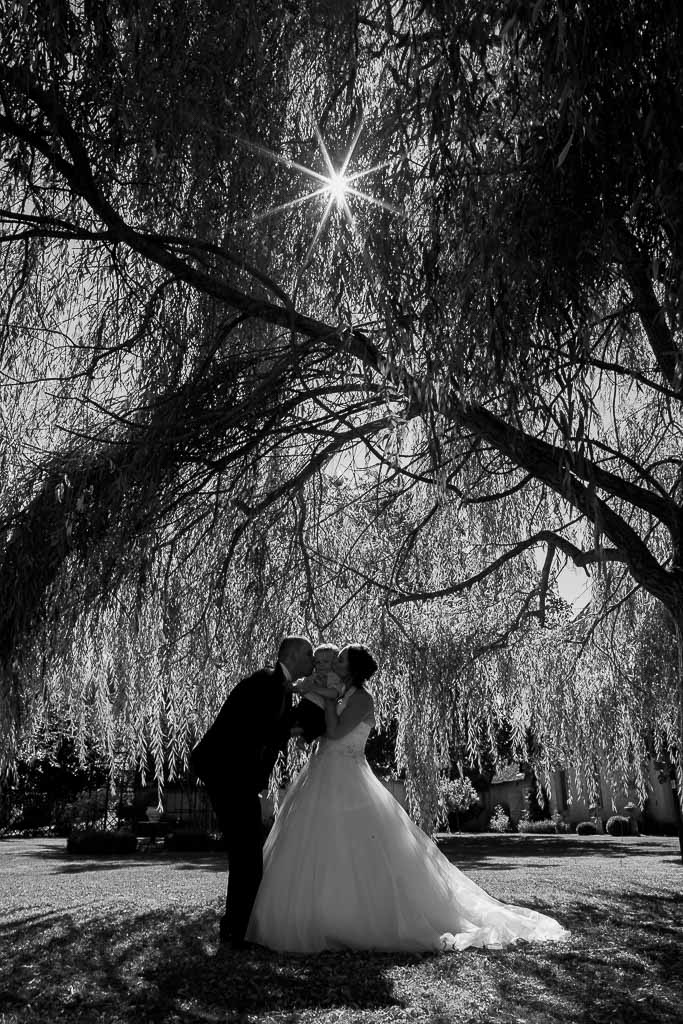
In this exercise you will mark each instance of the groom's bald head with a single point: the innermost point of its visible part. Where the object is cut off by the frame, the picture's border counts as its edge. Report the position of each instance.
(292, 645)
(296, 652)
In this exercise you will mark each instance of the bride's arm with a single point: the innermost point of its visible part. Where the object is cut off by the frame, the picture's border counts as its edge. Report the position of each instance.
(359, 707)
(325, 691)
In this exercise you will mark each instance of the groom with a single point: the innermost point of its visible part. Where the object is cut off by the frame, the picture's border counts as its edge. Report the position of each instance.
(234, 761)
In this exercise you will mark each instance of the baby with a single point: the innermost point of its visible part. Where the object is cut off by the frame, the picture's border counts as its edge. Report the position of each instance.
(308, 717)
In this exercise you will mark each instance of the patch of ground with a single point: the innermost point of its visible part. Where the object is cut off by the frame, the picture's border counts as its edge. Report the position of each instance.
(133, 939)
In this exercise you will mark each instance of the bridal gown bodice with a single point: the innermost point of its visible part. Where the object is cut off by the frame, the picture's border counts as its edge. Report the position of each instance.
(351, 746)
(346, 868)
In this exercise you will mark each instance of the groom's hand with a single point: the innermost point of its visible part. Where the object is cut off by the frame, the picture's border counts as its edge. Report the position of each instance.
(303, 685)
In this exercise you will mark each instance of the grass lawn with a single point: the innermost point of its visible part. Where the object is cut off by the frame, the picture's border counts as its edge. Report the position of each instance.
(133, 939)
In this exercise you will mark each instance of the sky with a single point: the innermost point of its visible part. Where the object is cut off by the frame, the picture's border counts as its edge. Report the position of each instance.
(573, 584)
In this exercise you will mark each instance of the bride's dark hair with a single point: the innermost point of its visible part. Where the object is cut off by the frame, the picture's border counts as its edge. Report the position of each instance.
(362, 664)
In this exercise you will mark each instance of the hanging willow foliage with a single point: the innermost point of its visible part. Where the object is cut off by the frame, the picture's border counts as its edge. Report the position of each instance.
(141, 673)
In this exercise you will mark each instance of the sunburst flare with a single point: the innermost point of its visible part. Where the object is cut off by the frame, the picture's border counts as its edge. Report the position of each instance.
(336, 186)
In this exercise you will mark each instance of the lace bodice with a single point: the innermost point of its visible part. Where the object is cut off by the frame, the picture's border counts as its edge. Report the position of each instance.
(352, 745)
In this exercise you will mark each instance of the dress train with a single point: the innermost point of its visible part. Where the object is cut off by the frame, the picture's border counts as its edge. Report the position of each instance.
(346, 868)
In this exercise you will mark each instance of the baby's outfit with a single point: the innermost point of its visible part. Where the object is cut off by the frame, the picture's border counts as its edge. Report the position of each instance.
(309, 714)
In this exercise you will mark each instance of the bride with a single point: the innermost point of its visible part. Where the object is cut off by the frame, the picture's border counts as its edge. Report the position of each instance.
(346, 868)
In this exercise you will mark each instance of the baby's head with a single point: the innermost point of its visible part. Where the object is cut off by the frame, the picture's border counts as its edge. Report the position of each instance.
(325, 657)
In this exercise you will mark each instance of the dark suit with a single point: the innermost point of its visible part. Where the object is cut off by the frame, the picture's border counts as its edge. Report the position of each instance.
(311, 718)
(234, 761)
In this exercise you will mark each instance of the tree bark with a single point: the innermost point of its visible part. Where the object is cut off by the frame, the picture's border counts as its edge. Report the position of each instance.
(678, 795)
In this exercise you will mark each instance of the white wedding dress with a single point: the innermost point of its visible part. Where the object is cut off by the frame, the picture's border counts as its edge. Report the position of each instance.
(346, 868)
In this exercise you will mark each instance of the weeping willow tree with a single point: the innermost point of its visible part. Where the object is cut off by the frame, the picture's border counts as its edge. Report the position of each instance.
(148, 665)
(242, 246)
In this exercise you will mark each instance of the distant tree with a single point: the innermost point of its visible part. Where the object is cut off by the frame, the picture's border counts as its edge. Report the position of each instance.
(46, 779)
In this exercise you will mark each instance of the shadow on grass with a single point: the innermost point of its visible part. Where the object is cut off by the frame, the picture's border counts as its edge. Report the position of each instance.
(73, 863)
(494, 853)
(470, 847)
(621, 964)
(560, 845)
(159, 966)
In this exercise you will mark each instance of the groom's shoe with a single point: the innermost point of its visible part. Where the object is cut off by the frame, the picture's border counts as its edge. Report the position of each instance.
(229, 941)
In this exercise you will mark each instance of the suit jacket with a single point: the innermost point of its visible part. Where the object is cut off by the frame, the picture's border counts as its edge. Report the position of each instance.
(239, 750)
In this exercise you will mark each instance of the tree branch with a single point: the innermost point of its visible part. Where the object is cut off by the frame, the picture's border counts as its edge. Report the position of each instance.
(664, 348)
(580, 557)
(554, 467)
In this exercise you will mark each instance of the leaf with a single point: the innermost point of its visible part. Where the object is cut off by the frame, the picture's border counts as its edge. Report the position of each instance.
(508, 26)
(536, 11)
(563, 155)
(648, 122)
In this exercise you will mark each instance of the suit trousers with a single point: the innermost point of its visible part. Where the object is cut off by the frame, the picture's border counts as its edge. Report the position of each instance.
(239, 816)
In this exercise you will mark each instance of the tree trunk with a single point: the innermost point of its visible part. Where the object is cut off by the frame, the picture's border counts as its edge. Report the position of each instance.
(678, 795)
(106, 803)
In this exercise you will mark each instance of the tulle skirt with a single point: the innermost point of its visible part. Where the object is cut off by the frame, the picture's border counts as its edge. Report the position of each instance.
(346, 868)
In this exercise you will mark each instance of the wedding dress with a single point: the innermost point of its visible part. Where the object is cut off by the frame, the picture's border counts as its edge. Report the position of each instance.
(346, 868)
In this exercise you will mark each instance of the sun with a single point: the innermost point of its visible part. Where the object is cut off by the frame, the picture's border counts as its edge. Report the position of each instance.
(336, 186)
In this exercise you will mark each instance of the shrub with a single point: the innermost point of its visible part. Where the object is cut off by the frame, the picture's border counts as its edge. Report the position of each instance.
(27, 833)
(548, 825)
(186, 841)
(33, 816)
(87, 811)
(458, 796)
(500, 821)
(586, 828)
(93, 840)
(618, 825)
(535, 827)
